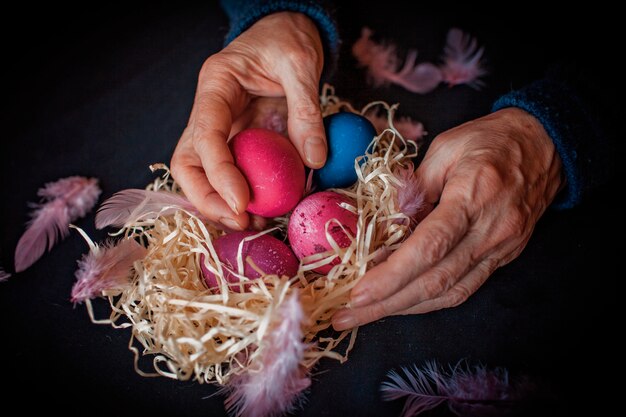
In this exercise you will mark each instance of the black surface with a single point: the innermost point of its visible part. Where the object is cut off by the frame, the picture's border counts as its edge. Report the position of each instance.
(108, 93)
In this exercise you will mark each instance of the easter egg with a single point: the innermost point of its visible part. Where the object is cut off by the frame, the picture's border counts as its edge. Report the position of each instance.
(273, 169)
(307, 225)
(348, 136)
(269, 254)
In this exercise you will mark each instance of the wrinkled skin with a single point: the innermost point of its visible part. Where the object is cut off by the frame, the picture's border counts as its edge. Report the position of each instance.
(280, 56)
(487, 181)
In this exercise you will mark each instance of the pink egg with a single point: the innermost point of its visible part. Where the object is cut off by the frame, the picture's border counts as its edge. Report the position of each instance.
(307, 233)
(273, 168)
(269, 254)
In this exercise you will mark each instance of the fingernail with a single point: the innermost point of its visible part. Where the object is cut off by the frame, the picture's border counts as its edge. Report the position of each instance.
(360, 299)
(344, 321)
(315, 151)
(230, 223)
(232, 203)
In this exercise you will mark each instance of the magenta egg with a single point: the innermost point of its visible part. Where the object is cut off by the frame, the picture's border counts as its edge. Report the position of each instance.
(269, 254)
(273, 168)
(307, 233)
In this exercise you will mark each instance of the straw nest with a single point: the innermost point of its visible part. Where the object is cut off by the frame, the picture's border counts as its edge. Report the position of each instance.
(192, 333)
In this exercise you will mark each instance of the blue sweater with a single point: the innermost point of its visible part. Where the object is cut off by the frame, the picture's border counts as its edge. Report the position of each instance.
(556, 101)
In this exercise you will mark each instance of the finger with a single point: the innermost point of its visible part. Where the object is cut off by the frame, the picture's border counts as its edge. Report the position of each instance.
(460, 292)
(433, 171)
(430, 242)
(304, 120)
(429, 285)
(210, 127)
(200, 193)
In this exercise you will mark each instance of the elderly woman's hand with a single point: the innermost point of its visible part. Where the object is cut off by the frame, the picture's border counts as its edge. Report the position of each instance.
(280, 56)
(489, 181)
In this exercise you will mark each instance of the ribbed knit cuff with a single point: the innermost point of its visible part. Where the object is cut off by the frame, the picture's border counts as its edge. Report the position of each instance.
(244, 14)
(568, 124)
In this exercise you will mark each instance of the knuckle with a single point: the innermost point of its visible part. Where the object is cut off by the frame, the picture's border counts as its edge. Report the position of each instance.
(514, 224)
(306, 111)
(517, 250)
(491, 177)
(205, 133)
(213, 66)
(218, 170)
(377, 311)
(436, 284)
(456, 296)
(301, 57)
(438, 244)
(175, 168)
(490, 265)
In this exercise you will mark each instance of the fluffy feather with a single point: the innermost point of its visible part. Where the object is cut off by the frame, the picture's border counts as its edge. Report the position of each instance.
(4, 275)
(275, 121)
(272, 385)
(410, 197)
(421, 78)
(467, 391)
(64, 201)
(104, 268)
(382, 63)
(133, 206)
(378, 59)
(408, 128)
(462, 64)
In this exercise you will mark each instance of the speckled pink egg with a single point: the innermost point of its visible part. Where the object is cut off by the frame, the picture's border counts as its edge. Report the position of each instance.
(307, 234)
(271, 255)
(273, 168)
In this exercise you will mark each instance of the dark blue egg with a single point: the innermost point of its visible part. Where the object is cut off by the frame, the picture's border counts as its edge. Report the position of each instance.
(348, 135)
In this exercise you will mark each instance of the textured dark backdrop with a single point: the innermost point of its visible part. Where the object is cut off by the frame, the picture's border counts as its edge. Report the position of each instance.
(108, 92)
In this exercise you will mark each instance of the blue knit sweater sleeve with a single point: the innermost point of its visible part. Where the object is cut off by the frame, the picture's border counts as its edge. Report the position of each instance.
(244, 13)
(579, 136)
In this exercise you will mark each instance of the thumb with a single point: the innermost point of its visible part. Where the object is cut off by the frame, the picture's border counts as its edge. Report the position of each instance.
(432, 172)
(304, 118)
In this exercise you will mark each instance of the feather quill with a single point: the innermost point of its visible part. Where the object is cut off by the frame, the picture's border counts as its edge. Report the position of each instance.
(467, 391)
(134, 206)
(4, 275)
(64, 201)
(462, 60)
(105, 267)
(273, 383)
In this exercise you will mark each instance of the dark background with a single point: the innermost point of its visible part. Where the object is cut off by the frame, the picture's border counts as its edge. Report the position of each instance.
(104, 93)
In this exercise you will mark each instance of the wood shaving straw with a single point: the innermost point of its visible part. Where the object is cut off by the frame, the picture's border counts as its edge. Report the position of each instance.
(192, 333)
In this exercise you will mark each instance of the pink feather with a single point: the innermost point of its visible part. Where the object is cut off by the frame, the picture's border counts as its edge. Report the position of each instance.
(410, 196)
(65, 201)
(104, 268)
(275, 121)
(467, 391)
(382, 64)
(275, 379)
(462, 64)
(407, 127)
(410, 129)
(4, 275)
(133, 205)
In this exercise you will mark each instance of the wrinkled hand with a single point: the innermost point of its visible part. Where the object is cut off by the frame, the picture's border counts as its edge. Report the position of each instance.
(281, 55)
(490, 180)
